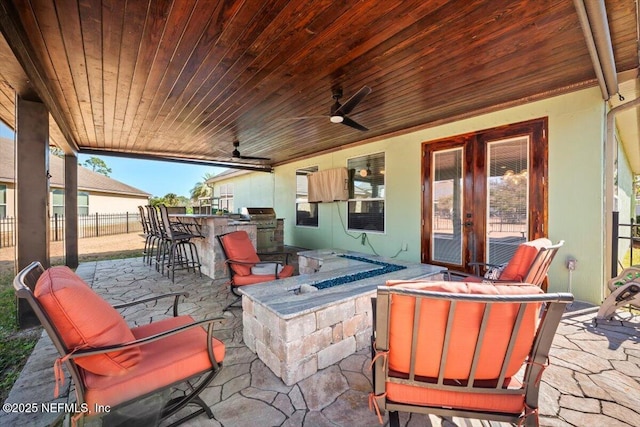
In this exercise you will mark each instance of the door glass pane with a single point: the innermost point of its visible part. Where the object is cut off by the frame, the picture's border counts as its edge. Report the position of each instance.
(507, 192)
(446, 199)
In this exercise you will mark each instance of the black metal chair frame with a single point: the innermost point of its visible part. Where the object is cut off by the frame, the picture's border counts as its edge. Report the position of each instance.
(25, 282)
(158, 237)
(553, 306)
(177, 248)
(148, 234)
(229, 261)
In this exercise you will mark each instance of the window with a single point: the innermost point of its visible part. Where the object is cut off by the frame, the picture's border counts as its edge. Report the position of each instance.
(3, 201)
(83, 203)
(226, 198)
(306, 213)
(57, 203)
(366, 193)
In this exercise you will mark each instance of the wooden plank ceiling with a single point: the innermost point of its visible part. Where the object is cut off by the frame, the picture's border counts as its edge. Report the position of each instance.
(186, 78)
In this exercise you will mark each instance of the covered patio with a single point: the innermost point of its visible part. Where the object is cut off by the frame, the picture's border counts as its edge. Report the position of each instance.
(593, 379)
(202, 82)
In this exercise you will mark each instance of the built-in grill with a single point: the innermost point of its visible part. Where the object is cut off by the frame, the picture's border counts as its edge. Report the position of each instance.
(266, 223)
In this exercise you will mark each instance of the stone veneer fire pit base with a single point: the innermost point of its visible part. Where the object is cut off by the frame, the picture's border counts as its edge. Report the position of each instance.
(297, 330)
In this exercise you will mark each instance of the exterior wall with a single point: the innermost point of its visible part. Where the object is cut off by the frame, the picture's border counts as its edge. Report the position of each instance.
(98, 203)
(576, 131)
(251, 190)
(114, 203)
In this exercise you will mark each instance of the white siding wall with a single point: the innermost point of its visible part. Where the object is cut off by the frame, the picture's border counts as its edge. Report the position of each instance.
(105, 204)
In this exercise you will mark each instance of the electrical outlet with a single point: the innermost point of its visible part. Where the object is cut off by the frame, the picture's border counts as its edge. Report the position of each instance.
(363, 238)
(571, 263)
(405, 247)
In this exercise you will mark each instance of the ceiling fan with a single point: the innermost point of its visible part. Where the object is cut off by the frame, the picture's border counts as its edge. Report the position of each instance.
(236, 153)
(339, 111)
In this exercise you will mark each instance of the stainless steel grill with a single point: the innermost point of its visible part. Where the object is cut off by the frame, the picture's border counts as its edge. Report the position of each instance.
(266, 222)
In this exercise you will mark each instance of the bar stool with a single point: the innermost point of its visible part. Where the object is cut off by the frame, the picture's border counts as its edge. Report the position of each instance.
(178, 250)
(157, 237)
(148, 234)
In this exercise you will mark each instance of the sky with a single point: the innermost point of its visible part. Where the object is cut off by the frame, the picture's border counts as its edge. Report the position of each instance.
(154, 177)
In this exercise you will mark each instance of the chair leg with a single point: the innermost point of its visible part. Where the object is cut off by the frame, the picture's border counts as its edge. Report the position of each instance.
(195, 258)
(234, 304)
(201, 403)
(193, 397)
(394, 419)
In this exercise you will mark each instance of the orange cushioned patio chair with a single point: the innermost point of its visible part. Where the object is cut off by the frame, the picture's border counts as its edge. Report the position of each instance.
(122, 375)
(245, 266)
(454, 349)
(529, 264)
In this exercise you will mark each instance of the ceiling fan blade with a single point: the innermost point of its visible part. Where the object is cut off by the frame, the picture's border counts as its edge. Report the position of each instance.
(348, 106)
(252, 158)
(347, 121)
(282, 119)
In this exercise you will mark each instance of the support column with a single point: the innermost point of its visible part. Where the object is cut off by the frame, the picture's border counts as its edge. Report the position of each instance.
(32, 192)
(71, 210)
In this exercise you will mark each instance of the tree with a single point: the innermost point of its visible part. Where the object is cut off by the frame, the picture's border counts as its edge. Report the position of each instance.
(97, 165)
(56, 151)
(201, 189)
(169, 199)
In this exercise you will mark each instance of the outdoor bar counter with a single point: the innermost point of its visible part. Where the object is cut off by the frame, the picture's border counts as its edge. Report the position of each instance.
(211, 256)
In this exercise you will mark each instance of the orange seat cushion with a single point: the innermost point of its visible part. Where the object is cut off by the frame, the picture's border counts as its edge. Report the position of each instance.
(466, 327)
(252, 279)
(163, 362)
(238, 247)
(85, 320)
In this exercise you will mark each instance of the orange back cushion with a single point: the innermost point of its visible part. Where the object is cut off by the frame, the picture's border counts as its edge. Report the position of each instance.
(520, 263)
(466, 327)
(84, 320)
(238, 247)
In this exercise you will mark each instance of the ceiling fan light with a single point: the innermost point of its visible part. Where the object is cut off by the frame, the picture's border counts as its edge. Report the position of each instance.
(336, 119)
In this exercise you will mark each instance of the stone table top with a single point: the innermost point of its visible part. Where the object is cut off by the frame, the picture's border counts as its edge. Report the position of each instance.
(288, 297)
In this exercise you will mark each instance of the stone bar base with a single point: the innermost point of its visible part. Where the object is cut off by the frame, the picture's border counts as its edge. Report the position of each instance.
(298, 347)
(211, 256)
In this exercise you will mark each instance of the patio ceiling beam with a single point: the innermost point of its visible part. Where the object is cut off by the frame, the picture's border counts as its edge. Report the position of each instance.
(593, 20)
(37, 89)
(201, 162)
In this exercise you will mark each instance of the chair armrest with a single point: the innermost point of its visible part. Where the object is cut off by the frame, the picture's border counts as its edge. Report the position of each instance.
(231, 261)
(252, 264)
(124, 346)
(285, 254)
(448, 274)
(476, 266)
(176, 297)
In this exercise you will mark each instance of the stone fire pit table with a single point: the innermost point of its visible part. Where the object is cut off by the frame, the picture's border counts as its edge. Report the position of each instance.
(296, 329)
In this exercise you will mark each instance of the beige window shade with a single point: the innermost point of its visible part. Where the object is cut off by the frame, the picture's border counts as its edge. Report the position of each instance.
(329, 185)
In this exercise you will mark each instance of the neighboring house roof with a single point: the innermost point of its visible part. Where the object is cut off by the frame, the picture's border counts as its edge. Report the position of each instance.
(88, 180)
(227, 174)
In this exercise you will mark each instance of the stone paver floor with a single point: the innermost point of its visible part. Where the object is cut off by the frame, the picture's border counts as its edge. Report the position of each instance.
(593, 380)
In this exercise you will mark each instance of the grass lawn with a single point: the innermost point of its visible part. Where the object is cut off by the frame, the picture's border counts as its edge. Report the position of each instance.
(626, 262)
(16, 345)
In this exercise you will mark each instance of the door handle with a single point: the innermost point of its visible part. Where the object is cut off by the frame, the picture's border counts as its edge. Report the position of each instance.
(468, 224)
